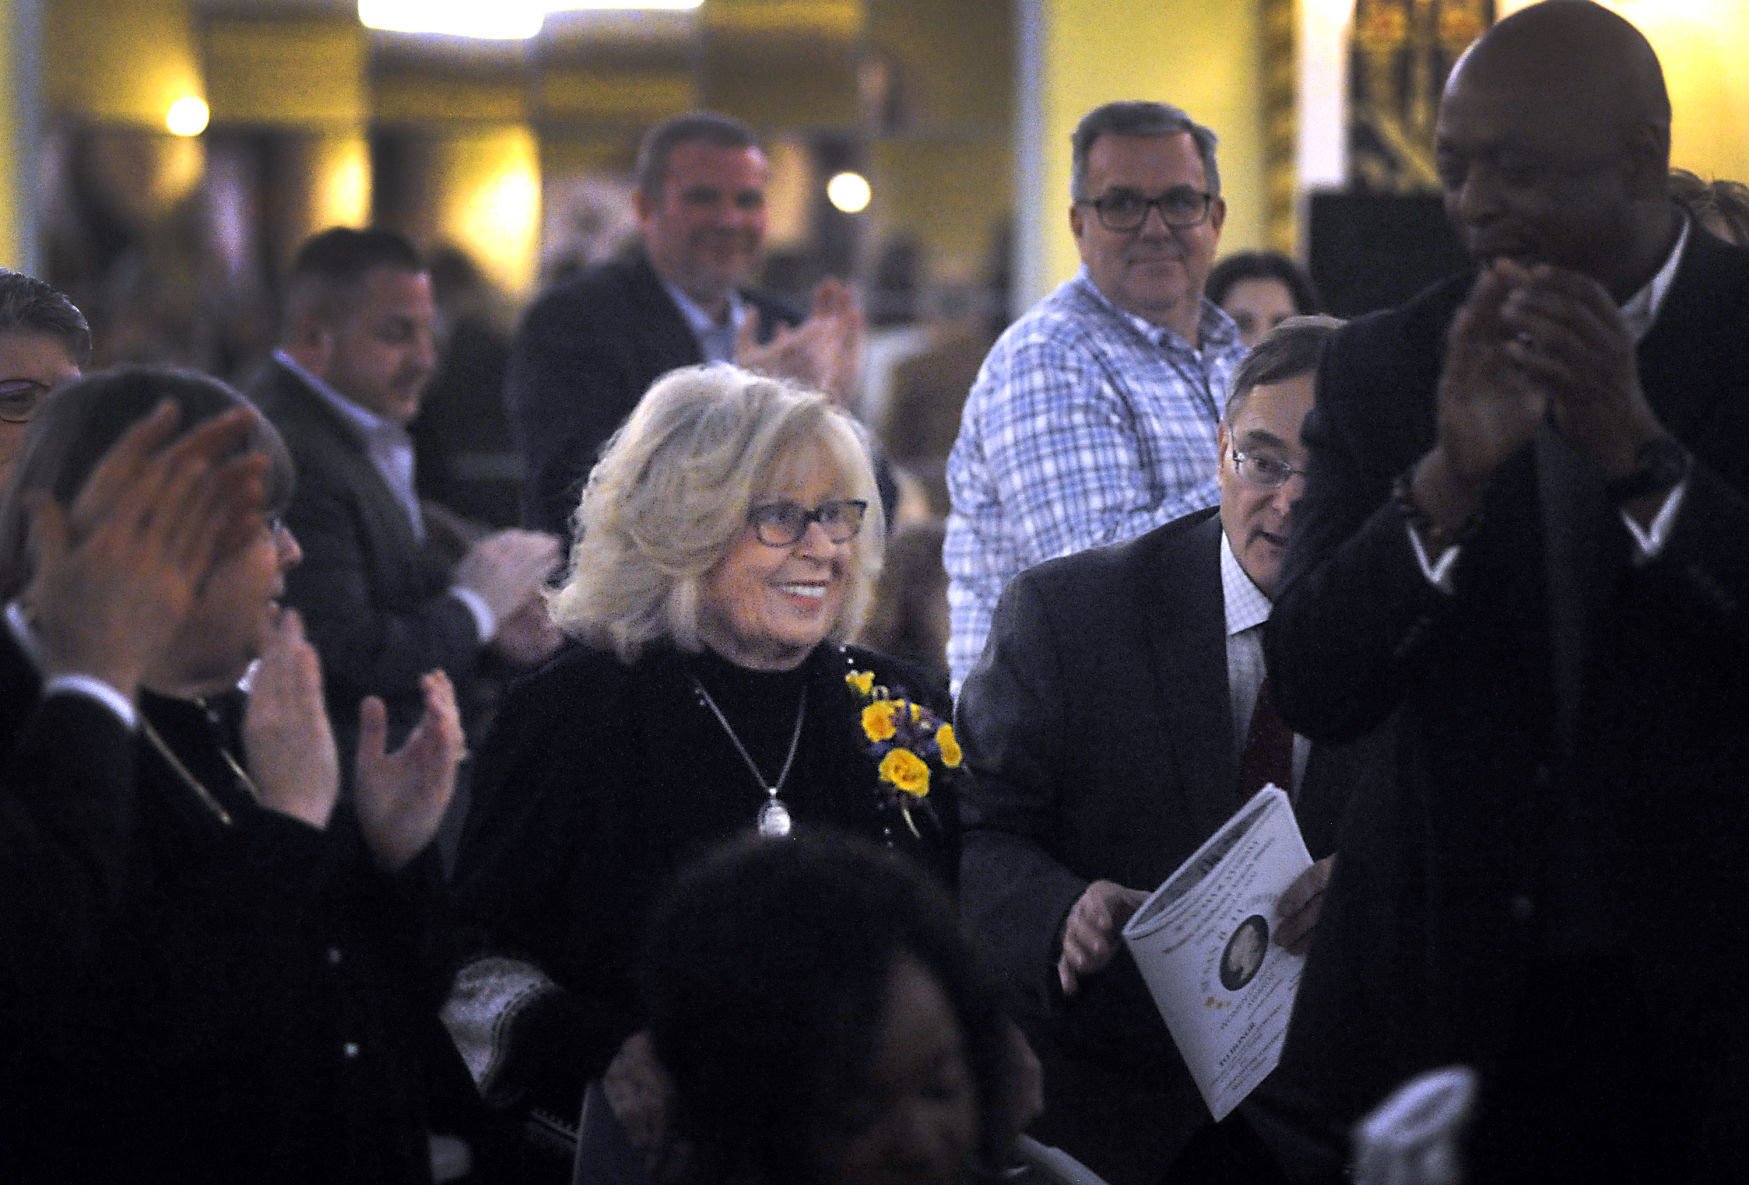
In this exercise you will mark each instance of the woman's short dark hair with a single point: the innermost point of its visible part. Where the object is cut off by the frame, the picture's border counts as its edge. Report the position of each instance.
(763, 979)
(70, 435)
(1263, 265)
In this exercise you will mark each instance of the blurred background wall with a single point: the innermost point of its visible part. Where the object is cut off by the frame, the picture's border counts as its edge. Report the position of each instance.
(290, 115)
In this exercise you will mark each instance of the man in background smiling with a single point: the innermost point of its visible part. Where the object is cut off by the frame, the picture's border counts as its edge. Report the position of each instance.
(1094, 416)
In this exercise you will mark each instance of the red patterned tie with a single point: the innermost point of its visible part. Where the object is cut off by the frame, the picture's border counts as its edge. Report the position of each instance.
(1269, 749)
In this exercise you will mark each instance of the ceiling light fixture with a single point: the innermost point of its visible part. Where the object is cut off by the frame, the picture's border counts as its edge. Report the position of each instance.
(849, 192)
(187, 116)
(503, 20)
(621, 5)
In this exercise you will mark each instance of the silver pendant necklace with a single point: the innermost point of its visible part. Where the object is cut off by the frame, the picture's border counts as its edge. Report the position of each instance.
(773, 821)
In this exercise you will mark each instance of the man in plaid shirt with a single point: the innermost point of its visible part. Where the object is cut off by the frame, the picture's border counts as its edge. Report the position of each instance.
(1093, 419)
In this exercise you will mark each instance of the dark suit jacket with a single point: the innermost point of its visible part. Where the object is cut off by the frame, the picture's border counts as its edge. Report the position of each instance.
(585, 353)
(1562, 702)
(204, 1039)
(375, 601)
(1098, 730)
(66, 809)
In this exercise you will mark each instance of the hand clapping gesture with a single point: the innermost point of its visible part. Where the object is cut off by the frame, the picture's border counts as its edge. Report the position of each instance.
(115, 574)
(1532, 343)
(823, 353)
(285, 728)
(402, 795)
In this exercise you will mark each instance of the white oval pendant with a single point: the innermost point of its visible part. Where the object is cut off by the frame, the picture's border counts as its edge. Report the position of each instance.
(774, 820)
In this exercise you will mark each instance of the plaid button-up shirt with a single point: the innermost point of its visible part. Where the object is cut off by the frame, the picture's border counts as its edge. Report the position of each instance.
(1086, 426)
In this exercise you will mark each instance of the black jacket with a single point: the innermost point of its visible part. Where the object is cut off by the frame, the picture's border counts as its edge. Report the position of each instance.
(585, 353)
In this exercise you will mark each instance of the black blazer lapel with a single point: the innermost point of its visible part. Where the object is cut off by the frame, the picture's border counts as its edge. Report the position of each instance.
(315, 429)
(1687, 359)
(1187, 628)
(670, 337)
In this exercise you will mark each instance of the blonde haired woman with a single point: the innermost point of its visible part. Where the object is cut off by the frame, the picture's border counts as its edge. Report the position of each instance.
(727, 543)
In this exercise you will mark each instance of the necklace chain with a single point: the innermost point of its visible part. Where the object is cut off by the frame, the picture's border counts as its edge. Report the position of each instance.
(771, 788)
(193, 783)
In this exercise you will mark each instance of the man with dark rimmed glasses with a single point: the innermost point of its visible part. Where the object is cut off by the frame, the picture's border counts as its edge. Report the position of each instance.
(1094, 416)
(44, 341)
(1119, 716)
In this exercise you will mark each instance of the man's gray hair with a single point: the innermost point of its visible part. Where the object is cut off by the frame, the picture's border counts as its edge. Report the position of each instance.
(1136, 117)
(1286, 352)
(29, 305)
(695, 127)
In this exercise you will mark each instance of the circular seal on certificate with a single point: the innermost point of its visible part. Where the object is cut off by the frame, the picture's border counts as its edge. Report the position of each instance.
(1244, 952)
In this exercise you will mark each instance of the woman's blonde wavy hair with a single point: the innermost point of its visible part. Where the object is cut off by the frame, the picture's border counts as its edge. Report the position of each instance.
(672, 493)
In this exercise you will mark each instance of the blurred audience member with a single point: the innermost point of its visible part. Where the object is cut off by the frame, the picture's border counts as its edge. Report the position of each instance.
(466, 461)
(248, 1016)
(44, 341)
(1720, 206)
(1261, 289)
(908, 618)
(383, 603)
(925, 397)
(589, 347)
(824, 1020)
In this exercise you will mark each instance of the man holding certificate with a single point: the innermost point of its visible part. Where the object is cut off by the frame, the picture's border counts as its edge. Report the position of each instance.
(1115, 721)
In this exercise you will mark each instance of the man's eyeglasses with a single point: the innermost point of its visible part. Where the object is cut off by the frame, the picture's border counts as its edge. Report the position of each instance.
(1264, 471)
(1124, 210)
(20, 399)
(782, 524)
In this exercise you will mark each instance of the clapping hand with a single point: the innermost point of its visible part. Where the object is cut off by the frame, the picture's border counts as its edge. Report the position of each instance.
(115, 575)
(528, 636)
(292, 759)
(401, 796)
(1568, 337)
(507, 569)
(823, 353)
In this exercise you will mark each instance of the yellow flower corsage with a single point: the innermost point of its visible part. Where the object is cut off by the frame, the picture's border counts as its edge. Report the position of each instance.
(907, 740)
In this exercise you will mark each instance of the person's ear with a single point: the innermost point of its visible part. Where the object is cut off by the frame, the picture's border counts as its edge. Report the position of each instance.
(312, 344)
(1648, 154)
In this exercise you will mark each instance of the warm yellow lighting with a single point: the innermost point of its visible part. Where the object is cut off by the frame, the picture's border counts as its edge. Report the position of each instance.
(849, 192)
(490, 206)
(339, 168)
(187, 116)
(620, 5)
(504, 20)
(499, 20)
